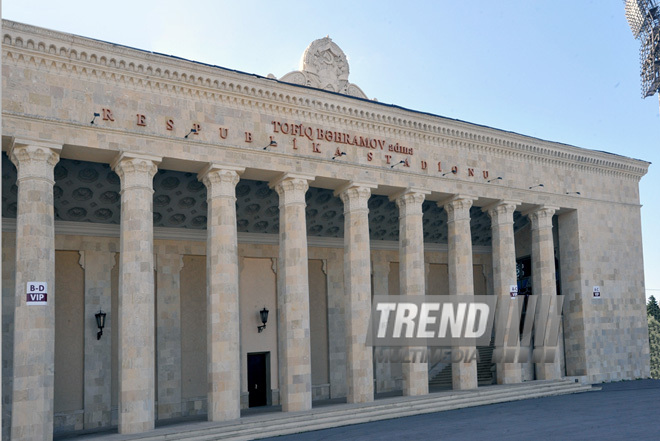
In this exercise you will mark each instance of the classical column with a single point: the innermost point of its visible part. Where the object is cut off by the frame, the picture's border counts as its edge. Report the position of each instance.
(357, 285)
(461, 282)
(34, 324)
(504, 275)
(295, 367)
(168, 334)
(136, 345)
(98, 352)
(222, 308)
(411, 279)
(544, 285)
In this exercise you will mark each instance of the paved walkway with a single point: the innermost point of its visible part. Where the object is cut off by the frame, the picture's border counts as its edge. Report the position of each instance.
(628, 410)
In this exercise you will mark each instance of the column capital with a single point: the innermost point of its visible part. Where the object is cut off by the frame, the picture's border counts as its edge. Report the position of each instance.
(135, 170)
(34, 159)
(220, 180)
(501, 212)
(457, 207)
(354, 184)
(288, 179)
(541, 216)
(410, 200)
(291, 188)
(355, 196)
(221, 170)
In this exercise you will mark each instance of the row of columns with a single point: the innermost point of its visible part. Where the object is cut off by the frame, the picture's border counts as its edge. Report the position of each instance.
(34, 326)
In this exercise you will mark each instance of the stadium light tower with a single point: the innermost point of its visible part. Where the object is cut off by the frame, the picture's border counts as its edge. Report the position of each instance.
(643, 19)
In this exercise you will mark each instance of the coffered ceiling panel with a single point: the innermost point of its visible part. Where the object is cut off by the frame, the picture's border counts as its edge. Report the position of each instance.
(90, 192)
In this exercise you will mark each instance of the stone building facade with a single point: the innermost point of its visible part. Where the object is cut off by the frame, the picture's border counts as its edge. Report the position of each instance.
(181, 199)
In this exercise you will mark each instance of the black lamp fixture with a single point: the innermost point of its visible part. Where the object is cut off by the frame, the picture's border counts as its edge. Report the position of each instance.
(272, 143)
(534, 186)
(96, 115)
(263, 314)
(499, 178)
(400, 162)
(193, 130)
(340, 154)
(100, 322)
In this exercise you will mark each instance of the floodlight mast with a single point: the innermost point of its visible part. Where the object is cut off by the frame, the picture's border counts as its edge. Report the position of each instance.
(644, 20)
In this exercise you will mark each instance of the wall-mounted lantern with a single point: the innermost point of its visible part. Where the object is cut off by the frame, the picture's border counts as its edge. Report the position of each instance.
(263, 314)
(100, 322)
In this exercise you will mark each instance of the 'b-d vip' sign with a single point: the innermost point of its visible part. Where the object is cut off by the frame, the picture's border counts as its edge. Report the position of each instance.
(37, 293)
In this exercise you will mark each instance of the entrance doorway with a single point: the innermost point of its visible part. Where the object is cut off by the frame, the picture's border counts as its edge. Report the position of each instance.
(258, 367)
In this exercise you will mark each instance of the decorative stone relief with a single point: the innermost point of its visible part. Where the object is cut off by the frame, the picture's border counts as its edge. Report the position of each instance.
(324, 66)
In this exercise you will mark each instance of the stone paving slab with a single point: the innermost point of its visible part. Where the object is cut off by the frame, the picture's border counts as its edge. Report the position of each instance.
(622, 410)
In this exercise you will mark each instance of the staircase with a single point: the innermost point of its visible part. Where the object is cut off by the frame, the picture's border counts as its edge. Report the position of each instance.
(484, 374)
(277, 423)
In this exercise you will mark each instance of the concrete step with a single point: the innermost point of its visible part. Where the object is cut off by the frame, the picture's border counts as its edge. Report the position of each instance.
(260, 426)
(414, 408)
(443, 377)
(315, 420)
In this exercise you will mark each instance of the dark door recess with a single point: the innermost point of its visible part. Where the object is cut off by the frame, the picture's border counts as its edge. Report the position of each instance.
(259, 379)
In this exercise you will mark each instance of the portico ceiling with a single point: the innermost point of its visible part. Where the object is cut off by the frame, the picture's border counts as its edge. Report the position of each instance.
(89, 192)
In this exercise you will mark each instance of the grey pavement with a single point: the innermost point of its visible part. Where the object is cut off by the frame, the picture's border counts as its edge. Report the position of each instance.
(627, 410)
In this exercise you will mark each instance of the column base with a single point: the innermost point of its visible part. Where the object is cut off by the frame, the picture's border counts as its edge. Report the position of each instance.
(365, 395)
(464, 374)
(132, 428)
(509, 373)
(225, 406)
(415, 379)
(302, 404)
(547, 371)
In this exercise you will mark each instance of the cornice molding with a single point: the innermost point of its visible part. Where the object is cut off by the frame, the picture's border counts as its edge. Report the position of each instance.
(106, 62)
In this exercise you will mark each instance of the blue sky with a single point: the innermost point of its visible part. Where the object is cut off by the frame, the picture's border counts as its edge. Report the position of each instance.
(565, 71)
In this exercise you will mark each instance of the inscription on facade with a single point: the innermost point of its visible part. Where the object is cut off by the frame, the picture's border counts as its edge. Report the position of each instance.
(317, 136)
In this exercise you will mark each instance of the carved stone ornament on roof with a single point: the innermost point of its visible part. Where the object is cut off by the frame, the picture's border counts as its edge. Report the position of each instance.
(324, 66)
